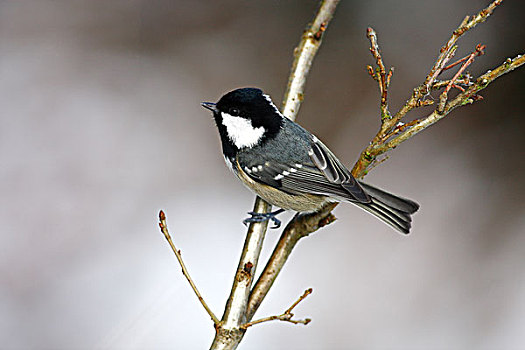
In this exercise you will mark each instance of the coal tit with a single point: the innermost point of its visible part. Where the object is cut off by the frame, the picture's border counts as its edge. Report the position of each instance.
(288, 166)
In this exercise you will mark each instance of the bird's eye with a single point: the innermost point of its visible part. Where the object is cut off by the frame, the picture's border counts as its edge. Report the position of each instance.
(234, 111)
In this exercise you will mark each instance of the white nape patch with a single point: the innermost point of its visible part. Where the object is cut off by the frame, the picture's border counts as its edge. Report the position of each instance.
(298, 165)
(241, 131)
(292, 170)
(229, 164)
(254, 169)
(247, 170)
(269, 99)
(278, 177)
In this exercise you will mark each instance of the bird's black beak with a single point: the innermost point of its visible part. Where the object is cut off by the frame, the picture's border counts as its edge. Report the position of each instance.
(209, 105)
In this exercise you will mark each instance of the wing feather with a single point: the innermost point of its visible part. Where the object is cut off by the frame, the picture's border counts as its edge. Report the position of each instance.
(335, 172)
(323, 175)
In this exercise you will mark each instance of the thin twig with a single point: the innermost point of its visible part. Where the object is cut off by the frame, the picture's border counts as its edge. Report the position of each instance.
(376, 147)
(466, 97)
(285, 316)
(438, 85)
(380, 76)
(469, 96)
(467, 24)
(444, 95)
(446, 53)
(164, 229)
(455, 63)
(478, 52)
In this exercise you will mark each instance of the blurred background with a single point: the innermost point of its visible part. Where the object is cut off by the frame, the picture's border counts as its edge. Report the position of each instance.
(101, 126)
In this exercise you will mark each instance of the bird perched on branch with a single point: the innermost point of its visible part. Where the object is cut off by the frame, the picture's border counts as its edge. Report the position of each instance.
(289, 167)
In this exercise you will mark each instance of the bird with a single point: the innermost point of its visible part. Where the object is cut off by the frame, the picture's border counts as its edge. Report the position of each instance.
(291, 168)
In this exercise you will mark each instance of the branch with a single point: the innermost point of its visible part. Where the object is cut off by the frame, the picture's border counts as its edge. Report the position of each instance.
(164, 229)
(304, 55)
(448, 50)
(467, 97)
(380, 75)
(392, 132)
(286, 316)
(467, 62)
(229, 333)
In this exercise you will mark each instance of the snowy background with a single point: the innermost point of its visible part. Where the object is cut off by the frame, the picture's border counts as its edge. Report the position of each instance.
(101, 126)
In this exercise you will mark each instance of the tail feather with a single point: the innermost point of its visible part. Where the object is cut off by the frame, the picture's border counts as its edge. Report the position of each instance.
(391, 209)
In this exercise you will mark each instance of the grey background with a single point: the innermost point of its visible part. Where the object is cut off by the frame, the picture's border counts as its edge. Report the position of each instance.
(101, 127)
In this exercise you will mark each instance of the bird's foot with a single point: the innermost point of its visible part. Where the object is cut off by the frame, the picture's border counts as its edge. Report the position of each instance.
(261, 217)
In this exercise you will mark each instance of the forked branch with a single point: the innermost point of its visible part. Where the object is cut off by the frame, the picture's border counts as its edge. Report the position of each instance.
(393, 131)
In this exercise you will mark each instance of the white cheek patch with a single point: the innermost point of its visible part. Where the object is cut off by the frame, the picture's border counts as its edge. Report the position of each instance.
(241, 131)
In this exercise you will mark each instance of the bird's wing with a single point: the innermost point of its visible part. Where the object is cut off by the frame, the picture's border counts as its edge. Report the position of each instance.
(323, 175)
(335, 172)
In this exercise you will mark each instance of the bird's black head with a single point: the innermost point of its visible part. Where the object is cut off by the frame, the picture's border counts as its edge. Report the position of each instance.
(245, 118)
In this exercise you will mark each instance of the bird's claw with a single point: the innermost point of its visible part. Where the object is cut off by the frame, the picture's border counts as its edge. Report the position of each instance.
(261, 217)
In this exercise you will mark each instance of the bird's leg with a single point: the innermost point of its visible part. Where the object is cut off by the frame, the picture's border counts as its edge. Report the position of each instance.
(261, 217)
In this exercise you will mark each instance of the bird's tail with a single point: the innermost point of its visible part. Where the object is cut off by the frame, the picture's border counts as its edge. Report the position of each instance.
(391, 209)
